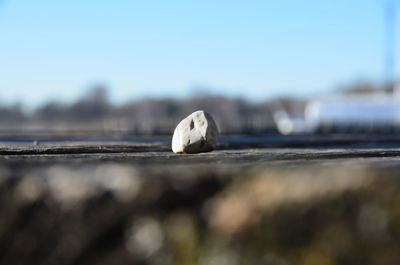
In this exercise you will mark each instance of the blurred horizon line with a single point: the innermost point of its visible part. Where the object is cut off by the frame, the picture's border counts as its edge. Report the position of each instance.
(199, 91)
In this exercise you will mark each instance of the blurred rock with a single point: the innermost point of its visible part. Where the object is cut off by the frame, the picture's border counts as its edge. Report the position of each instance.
(116, 213)
(145, 237)
(195, 134)
(264, 191)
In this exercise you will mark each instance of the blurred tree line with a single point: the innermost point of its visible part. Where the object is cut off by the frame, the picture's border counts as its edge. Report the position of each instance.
(94, 112)
(366, 87)
(150, 116)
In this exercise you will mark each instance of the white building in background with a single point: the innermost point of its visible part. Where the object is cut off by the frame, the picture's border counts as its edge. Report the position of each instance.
(378, 112)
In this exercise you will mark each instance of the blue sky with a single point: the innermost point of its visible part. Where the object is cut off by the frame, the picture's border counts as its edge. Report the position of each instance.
(257, 48)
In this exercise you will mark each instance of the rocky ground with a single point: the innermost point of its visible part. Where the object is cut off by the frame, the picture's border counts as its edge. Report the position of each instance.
(305, 200)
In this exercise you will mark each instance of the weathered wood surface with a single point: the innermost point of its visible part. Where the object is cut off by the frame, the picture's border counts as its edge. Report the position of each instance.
(300, 201)
(160, 153)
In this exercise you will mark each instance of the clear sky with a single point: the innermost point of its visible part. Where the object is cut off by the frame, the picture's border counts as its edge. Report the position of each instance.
(256, 48)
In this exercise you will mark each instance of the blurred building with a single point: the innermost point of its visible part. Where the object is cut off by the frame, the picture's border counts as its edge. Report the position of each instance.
(377, 112)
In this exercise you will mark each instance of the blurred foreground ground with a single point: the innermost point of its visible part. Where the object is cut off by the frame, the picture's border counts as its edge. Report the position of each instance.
(256, 200)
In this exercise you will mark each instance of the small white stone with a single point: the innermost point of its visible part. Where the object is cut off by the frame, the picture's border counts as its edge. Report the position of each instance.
(195, 134)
